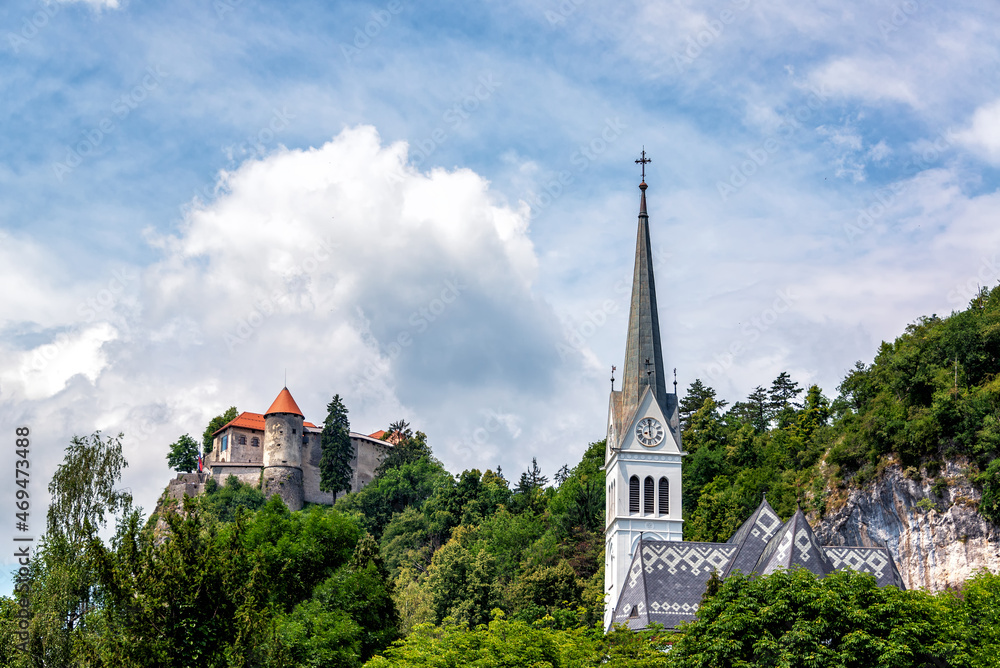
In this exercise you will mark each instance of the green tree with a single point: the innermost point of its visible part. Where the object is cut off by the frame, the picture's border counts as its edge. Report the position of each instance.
(214, 425)
(697, 394)
(791, 618)
(335, 463)
(183, 455)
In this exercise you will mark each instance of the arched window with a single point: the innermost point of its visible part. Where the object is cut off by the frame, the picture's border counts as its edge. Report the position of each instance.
(664, 496)
(647, 496)
(633, 494)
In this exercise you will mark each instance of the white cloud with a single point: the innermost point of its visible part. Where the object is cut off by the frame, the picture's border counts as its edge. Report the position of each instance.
(982, 135)
(875, 79)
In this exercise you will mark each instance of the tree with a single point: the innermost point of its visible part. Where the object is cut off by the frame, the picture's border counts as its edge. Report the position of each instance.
(62, 578)
(408, 447)
(791, 618)
(335, 442)
(183, 455)
(697, 394)
(562, 474)
(531, 479)
(217, 423)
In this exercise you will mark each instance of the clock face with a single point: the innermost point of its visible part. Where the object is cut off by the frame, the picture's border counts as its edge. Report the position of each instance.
(649, 431)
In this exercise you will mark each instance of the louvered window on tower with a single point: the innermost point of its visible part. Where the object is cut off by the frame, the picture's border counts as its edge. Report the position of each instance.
(633, 494)
(664, 496)
(647, 496)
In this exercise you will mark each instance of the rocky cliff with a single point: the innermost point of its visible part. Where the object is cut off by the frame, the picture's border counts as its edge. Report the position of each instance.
(935, 534)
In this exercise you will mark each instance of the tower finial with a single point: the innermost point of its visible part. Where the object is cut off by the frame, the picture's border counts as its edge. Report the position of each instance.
(643, 161)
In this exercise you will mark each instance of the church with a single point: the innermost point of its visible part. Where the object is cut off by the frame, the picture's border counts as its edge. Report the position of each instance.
(651, 574)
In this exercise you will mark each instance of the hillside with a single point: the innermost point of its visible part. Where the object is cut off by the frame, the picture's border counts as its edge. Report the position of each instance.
(475, 564)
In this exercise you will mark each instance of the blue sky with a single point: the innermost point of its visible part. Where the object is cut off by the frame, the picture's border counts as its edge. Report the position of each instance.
(430, 208)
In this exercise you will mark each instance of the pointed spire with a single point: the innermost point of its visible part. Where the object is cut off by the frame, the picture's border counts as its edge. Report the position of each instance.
(643, 354)
(284, 403)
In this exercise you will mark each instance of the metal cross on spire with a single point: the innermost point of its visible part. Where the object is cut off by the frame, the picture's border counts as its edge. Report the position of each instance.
(643, 161)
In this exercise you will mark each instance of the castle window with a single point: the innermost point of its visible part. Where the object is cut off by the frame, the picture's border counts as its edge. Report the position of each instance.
(305, 439)
(225, 442)
(634, 614)
(242, 440)
(255, 442)
(664, 496)
(633, 494)
(647, 496)
(294, 432)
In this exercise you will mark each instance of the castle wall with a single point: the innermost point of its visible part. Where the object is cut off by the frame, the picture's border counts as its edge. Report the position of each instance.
(235, 451)
(311, 454)
(368, 454)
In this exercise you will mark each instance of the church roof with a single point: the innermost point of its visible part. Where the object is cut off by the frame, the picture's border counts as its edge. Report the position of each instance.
(752, 538)
(667, 579)
(794, 545)
(643, 352)
(284, 403)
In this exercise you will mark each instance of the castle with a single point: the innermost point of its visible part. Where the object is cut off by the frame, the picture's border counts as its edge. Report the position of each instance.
(651, 574)
(279, 451)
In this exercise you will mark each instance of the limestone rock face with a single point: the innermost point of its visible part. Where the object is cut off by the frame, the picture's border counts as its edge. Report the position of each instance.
(937, 544)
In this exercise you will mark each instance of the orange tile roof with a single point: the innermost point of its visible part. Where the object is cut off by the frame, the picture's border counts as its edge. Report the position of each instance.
(284, 404)
(378, 435)
(246, 421)
(309, 424)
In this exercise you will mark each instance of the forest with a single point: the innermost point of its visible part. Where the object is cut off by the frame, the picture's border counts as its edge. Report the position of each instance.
(425, 567)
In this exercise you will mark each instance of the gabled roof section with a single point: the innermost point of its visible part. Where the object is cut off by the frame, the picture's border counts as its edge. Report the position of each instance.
(752, 538)
(254, 421)
(284, 403)
(794, 545)
(667, 580)
(875, 560)
(643, 353)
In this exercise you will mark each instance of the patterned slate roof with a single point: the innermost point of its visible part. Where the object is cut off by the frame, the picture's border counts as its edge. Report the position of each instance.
(667, 578)
(794, 545)
(752, 538)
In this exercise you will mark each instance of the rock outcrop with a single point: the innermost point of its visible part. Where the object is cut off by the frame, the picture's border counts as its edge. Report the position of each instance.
(935, 534)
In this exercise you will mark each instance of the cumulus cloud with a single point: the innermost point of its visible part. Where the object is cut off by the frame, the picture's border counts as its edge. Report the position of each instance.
(409, 293)
(982, 135)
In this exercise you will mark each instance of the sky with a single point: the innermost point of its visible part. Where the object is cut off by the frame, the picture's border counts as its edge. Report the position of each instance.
(430, 208)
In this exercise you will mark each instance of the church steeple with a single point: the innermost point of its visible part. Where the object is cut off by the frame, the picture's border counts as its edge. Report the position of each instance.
(643, 353)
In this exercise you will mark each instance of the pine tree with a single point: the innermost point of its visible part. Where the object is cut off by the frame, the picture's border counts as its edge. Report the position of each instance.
(562, 474)
(335, 443)
(697, 394)
(531, 479)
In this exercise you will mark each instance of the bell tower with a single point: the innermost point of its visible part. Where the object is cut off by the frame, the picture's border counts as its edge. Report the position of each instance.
(642, 461)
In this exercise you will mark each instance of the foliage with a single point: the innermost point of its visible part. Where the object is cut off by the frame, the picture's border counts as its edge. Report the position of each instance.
(183, 455)
(794, 619)
(225, 501)
(214, 425)
(335, 443)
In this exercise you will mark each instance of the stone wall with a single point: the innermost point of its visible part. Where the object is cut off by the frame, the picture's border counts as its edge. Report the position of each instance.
(937, 543)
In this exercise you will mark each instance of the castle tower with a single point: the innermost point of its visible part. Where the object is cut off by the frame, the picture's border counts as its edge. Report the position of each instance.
(643, 456)
(283, 436)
